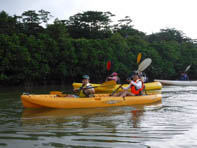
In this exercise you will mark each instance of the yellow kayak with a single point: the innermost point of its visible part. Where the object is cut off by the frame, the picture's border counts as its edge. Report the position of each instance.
(109, 89)
(100, 100)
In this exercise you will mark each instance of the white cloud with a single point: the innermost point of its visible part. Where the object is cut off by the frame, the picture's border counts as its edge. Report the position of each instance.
(147, 15)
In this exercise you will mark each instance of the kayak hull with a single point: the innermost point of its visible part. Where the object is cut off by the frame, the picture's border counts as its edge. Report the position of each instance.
(100, 100)
(148, 86)
(177, 83)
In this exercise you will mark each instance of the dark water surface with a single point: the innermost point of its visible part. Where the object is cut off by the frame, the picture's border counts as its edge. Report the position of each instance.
(172, 123)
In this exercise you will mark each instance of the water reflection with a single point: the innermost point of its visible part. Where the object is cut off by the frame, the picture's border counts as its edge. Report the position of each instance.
(106, 127)
(57, 116)
(61, 115)
(171, 123)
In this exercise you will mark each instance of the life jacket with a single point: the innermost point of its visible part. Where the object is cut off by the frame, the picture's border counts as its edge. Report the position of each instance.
(136, 91)
(82, 93)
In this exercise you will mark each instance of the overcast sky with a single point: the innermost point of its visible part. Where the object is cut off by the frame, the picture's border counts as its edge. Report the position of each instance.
(148, 16)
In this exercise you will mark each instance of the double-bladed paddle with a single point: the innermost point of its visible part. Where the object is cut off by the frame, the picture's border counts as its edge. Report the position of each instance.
(107, 84)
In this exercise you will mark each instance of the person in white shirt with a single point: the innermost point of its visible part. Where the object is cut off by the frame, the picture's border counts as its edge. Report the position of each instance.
(136, 87)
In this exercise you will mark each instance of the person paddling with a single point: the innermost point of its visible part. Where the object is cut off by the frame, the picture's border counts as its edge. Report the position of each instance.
(86, 90)
(114, 76)
(184, 76)
(136, 85)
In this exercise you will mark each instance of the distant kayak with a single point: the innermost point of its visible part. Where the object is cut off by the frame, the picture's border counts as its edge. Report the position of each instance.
(177, 82)
(100, 100)
(148, 86)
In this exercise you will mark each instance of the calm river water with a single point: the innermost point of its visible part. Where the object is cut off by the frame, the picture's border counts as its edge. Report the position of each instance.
(170, 124)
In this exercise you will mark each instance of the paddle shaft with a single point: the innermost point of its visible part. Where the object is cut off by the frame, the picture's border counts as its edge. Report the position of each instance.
(97, 86)
(105, 84)
(116, 90)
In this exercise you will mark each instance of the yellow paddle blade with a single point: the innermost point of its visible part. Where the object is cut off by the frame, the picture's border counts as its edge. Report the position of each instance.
(111, 83)
(139, 57)
(58, 93)
(55, 92)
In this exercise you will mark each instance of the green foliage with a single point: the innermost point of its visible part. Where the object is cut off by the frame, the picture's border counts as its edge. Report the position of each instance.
(8, 24)
(67, 49)
(90, 25)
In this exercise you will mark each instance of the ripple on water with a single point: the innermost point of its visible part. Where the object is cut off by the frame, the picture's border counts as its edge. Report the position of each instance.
(170, 124)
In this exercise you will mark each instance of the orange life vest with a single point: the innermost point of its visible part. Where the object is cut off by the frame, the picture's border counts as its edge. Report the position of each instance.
(136, 91)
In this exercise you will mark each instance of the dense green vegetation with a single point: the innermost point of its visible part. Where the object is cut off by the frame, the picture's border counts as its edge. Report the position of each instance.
(66, 49)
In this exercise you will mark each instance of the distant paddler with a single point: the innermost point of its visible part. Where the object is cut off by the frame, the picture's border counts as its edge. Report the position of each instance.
(114, 76)
(184, 76)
